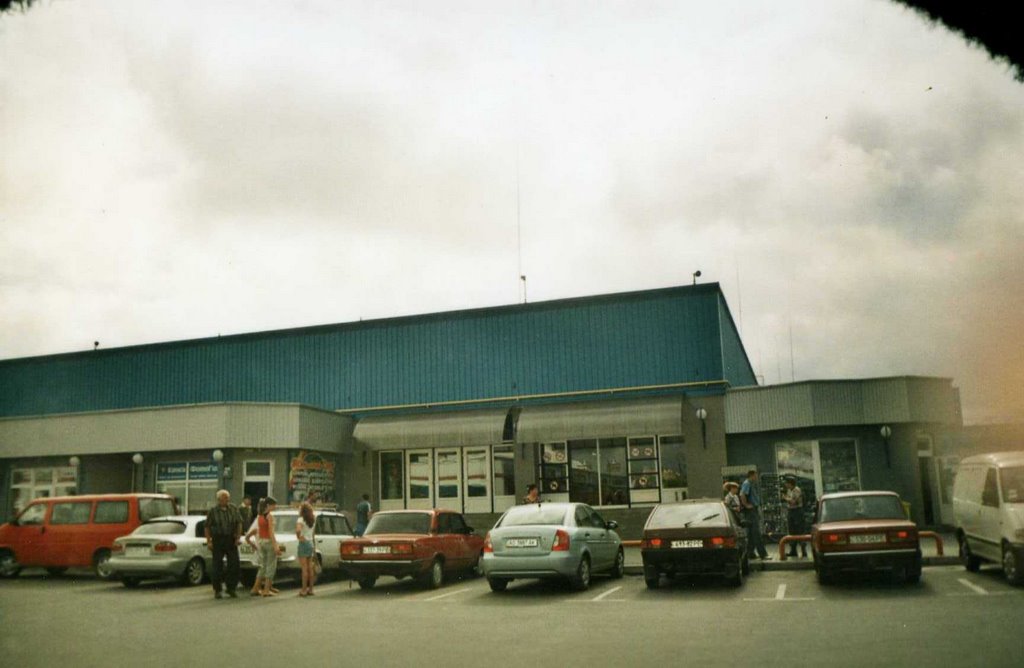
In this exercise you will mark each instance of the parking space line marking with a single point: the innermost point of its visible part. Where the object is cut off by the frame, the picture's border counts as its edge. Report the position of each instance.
(973, 587)
(445, 595)
(781, 593)
(607, 593)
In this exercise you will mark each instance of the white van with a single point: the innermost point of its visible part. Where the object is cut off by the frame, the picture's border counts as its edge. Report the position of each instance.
(988, 509)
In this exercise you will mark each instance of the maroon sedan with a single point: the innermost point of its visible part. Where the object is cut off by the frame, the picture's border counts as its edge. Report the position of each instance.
(864, 531)
(424, 544)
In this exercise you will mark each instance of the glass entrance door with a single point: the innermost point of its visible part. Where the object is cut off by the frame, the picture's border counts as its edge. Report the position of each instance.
(477, 490)
(504, 468)
(420, 480)
(449, 479)
(839, 469)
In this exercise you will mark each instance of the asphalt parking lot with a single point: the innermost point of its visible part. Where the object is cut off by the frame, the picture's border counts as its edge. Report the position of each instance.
(776, 618)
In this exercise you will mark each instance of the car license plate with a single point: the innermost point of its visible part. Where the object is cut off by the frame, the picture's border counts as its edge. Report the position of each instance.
(136, 552)
(867, 538)
(678, 544)
(377, 549)
(521, 542)
(245, 548)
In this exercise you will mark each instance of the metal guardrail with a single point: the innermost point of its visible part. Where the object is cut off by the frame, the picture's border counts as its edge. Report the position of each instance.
(937, 537)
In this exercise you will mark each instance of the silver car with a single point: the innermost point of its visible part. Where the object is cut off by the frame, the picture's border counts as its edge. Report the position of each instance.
(170, 546)
(551, 540)
(331, 529)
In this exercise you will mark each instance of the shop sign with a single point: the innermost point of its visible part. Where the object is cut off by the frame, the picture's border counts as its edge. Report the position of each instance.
(311, 476)
(203, 471)
(170, 472)
(182, 471)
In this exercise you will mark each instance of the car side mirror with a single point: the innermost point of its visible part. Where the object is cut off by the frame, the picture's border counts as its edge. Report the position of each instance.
(611, 525)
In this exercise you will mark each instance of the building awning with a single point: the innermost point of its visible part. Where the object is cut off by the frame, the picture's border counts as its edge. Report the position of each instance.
(600, 419)
(431, 430)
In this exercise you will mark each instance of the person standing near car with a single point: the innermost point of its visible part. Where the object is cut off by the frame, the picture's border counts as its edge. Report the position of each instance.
(794, 499)
(223, 531)
(363, 511)
(532, 494)
(307, 548)
(267, 543)
(731, 498)
(750, 499)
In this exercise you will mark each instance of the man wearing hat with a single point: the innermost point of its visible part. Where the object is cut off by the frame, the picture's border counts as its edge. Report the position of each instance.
(732, 499)
(223, 530)
(794, 500)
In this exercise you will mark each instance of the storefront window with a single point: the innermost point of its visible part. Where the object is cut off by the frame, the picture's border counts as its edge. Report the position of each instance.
(504, 470)
(554, 468)
(612, 457)
(40, 483)
(839, 471)
(391, 478)
(643, 463)
(420, 475)
(583, 472)
(448, 467)
(673, 462)
(192, 484)
(476, 473)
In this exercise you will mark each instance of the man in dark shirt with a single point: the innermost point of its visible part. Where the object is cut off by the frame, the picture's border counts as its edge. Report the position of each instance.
(223, 530)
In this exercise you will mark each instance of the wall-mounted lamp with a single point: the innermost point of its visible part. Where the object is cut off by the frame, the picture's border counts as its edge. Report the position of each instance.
(218, 455)
(136, 460)
(74, 460)
(696, 275)
(886, 432)
(702, 415)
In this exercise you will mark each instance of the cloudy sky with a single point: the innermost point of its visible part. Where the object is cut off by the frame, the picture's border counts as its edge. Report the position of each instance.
(851, 177)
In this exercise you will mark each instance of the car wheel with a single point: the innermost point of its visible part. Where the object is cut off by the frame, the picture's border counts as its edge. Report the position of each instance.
(498, 584)
(1011, 566)
(367, 581)
(913, 573)
(619, 569)
(582, 578)
(130, 582)
(652, 578)
(56, 571)
(195, 572)
(736, 580)
(478, 567)
(101, 565)
(9, 567)
(970, 562)
(433, 578)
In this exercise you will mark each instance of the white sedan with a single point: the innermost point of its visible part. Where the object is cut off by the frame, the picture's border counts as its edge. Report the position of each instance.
(332, 528)
(171, 546)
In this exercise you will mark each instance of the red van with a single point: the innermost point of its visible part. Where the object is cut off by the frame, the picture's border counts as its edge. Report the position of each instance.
(61, 532)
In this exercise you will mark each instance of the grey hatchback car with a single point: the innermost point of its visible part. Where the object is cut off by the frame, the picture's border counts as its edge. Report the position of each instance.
(551, 540)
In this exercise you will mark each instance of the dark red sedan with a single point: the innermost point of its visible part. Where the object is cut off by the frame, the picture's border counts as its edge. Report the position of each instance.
(864, 531)
(424, 544)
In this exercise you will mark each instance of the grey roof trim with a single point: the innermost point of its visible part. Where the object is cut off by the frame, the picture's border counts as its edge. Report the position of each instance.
(431, 430)
(820, 403)
(601, 419)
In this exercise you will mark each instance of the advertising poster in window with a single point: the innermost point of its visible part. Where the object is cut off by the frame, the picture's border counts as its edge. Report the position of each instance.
(311, 476)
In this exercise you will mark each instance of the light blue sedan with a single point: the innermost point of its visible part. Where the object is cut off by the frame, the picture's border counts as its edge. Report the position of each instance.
(551, 540)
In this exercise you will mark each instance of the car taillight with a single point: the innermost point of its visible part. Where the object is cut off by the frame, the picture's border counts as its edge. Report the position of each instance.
(347, 548)
(900, 536)
(117, 547)
(650, 544)
(165, 546)
(720, 541)
(488, 546)
(401, 548)
(835, 538)
(561, 542)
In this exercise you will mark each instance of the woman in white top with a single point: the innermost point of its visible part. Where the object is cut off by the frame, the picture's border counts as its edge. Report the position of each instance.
(307, 552)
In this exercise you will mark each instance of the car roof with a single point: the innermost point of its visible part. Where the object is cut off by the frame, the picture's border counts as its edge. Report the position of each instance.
(295, 511)
(998, 459)
(844, 495)
(103, 497)
(176, 518)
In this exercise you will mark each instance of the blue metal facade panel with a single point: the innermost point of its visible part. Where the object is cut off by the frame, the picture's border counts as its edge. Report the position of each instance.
(614, 341)
(736, 365)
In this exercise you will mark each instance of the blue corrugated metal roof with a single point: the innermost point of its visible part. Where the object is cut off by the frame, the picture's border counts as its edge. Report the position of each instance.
(653, 337)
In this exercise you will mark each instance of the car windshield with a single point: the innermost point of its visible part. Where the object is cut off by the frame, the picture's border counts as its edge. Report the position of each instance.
(1012, 480)
(398, 523)
(165, 527)
(533, 515)
(875, 507)
(671, 516)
